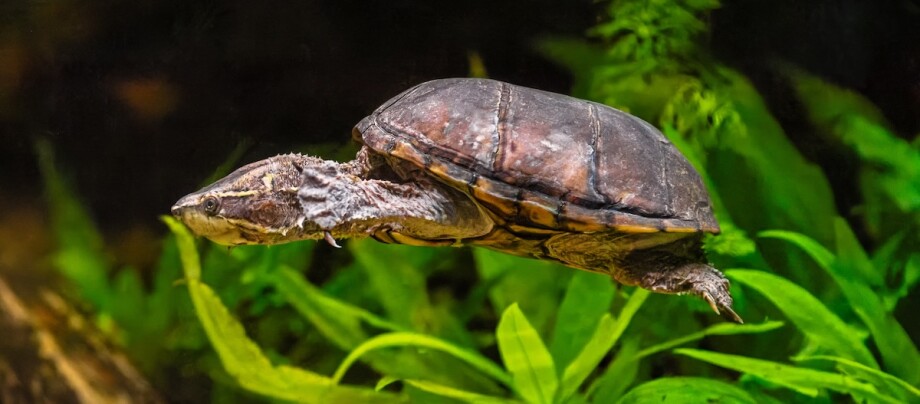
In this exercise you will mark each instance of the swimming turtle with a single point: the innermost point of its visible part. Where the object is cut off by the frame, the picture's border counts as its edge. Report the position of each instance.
(486, 163)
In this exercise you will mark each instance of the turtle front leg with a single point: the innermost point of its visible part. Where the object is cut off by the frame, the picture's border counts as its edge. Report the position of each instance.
(663, 272)
(342, 204)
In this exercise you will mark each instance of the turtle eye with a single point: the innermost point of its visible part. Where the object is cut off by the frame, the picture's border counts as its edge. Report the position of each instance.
(211, 205)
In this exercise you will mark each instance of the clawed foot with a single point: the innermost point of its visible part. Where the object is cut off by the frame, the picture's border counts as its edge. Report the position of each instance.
(716, 294)
(700, 280)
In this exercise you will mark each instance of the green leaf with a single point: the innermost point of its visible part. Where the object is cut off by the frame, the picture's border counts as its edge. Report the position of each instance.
(849, 251)
(187, 253)
(573, 54)
(891, 166)
(804, 381)
(80, 257)
(721, 114)
(653, 31)
(622, 370)
(899, 353)
(884, 255)
(619, 375)
(587, 299)
(399, 282)
(717, 329)
(534, 285)
(339, 322)
(652, 68)
(401, 339)
(732, 241)
(526, 358)
(807, 313)
(911, 274)
(602, 341)
(450, 392)
(385, 381)
(893, 385)
(401, 286)
(128, 288)
(758, 175)
(790, 191)
(343, 325)
(241, 357)
(686, 390)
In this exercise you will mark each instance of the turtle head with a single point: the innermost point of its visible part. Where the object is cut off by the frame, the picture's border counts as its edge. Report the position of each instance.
(256, 204)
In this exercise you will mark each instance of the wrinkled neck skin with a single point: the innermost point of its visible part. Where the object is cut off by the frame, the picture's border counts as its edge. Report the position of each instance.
(294, 197)
(348, 201)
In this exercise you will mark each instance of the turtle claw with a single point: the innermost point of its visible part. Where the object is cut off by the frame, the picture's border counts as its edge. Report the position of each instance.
(731, 315)
(712, 302)
(712, 286)
(328, 237)
(726, 311)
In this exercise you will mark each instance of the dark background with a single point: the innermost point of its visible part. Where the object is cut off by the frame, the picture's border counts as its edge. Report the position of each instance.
(143, 99)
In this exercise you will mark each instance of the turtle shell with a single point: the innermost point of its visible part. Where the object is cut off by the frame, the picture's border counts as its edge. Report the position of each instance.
(540, 161)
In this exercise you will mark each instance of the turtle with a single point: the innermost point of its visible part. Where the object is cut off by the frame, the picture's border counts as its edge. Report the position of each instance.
(480, 162)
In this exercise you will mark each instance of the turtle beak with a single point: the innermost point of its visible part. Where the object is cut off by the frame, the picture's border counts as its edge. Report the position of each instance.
(183, 206)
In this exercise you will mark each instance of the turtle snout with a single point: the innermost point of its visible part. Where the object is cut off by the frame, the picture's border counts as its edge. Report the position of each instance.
(183, 206)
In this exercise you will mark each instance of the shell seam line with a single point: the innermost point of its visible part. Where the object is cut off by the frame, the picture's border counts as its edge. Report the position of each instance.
(592, 148)
(501, 117)
(669, 204)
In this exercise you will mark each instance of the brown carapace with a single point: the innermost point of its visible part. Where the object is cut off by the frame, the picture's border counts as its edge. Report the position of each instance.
(485, 163)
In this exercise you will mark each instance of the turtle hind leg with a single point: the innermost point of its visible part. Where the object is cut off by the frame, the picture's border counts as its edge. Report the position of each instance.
(662, 272)
(700, 280)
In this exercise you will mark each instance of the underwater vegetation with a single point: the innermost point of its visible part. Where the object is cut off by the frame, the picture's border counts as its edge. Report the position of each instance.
(395, 323)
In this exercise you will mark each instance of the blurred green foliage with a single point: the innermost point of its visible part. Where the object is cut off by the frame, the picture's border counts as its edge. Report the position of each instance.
(398, 323)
